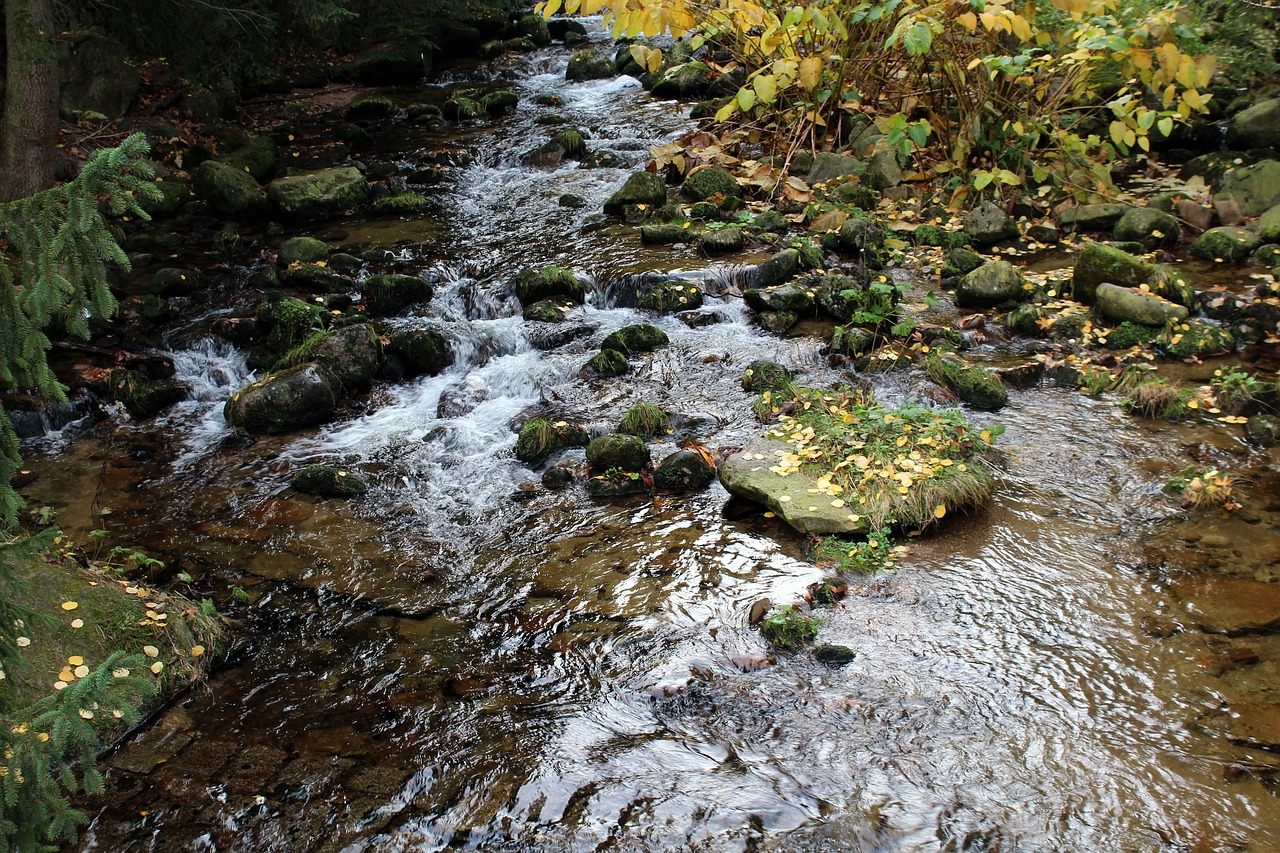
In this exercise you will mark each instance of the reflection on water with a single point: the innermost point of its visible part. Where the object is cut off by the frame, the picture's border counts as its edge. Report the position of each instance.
(463, 660)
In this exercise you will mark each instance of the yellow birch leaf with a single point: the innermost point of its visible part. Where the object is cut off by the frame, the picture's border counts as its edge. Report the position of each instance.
(939, 511)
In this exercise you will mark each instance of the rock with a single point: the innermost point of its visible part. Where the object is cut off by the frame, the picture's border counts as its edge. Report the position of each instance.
(616, 484)
(791, 298)
(640, 337)
(746, 476)
(1194, 338)
(1196, 215)
(405, 62)
(1096, 263)
(883, 170)
(960, 261)
(1252, 723)
(778, 322)
(398, 204)
(1152, 228)
(305, 250)
(1227, 211)
(257, 156)
(143, 396)
(686, 80)
(1021, 376)
(373, 107)
(640, 188)
(1256, 127)
(349, 356)
(991, 284)
(608, 362)
(540, 438)
(766, 376)
(861, 234)
(669, 296)
(549, 336)
(1226, 243)
(534, 27)
(96, 76)
(545, 311)
(572, 200)
(385, 295)
(988, 223)
(1255, 188)
(1090, 217)
(317, 195)
(828, 166)
(1128, 335)
(422, 350)
(1121, 304)
(778, 269)
(980, 388)
(317, 278)
(557, 477)
(589, 64)
(721, 240)
(833, 655)
(229, 190)
(175, 282)
(1268, 225)
(1168, 281)
(1230, 605)
(499, 102)
(462, 108)
(617, 452)
(684, 470)
(1263, 430)
(299, 397)
(665, 233)
(328, 482)
(551, 282)
(710, 182)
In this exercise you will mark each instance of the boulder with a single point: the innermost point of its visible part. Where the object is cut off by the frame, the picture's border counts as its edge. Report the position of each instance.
(988, 223)
(1194, 338)
(669, 296)
(795, 497)
(257, 156)
(499, 102)
(1121, 304)
(608, 362)
(991, 284)
(684, 470)
(96, 76)
(545, 311)
(778, 269)
(372, 107)
(534, 27)
(980, 388)
(666, 233)
(617, 452)
(709, 182)
(1256, 127)
(229, 190)
(827, 166)
(721, 240)
(685, 80)
(462, 108)
(299, 397)
(1090, 217)
(1268, 225)
(883, 170)
(305, 250)
(640, 337)
(1226, 243)
(349, 356)
(1148, 226)
(421, 350)
(540, 438)
(552, 282)
(790, 298)
(961, 260)
(143, 396)
(172, 281)
(1255, 189)
(385, 295)
(317, 195)
(589, 64)
(765, 376)
(1096, 263)
(640, 188)
(328, 482)
(861, 234)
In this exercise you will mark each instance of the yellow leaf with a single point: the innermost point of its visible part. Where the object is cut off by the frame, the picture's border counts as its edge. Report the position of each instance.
(811, 72)
(939, 511)
(766, 87)
(69, 605)
(156, 667)
(150, 651)
(746, 99)
(197, 651)
(969, 21)
(727, 110)
(1021, 28)
(75, 660)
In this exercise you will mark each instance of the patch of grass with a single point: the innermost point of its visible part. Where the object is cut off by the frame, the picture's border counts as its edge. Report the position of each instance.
(788, 628)
(1235, 390)
(644, 420)
(908, 465)
(867, 557)
(1157, 397)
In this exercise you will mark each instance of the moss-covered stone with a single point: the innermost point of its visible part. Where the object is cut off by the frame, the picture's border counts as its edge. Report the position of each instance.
(421, 350)
(666, 233)
(143, 396)
(229, 190)
(299, 397)
(722, 240)
(976, 386)
(778, 269)
(640, 337)
(372, 107)
(1151, 228)
(257, 156)
(551, 282)
(794, 297)
(385, 295)
(291, 321)
(1256, 188)
(172, 281)
(329, 482)
(534, 27)
(349, 356)
(710, 182)
(317, 195)
(589, 64)
(305, 250)
(861, 235)
(398, 204)
(620, 452)
(991, 284)
(852, 341)
(462, 108)
(683, 471)
(640, 188)
(540, 438)
(1096, 263)
(1226, 243)
(929, 235)
(608, 362)
(1026, 319)
(499, 102)
(1128, 335)
(1120, 304)
(1091, 217)
(545, 311)
(669, 296)
(961, 260)
(766, 376)
(1194, 339)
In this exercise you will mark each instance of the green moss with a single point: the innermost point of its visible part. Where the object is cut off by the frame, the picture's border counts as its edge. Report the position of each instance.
(398, 204)
(672, 296)
(390, 294)
(788, 628)
(667, 233)
(327, 481)
(551, 282)
(373, 107)
(980, 388)
(545, 311)
(766, 376)
(1194, 339)
(608, 362)
(1157, 397)
(539, 438)
(929, 235)
(292, 321)
(1128, 335)
(640, 337)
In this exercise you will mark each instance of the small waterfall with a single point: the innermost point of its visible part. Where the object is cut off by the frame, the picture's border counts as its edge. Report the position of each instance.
(213, 369)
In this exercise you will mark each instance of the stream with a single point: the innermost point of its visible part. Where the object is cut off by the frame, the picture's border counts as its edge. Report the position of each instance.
(465, 659)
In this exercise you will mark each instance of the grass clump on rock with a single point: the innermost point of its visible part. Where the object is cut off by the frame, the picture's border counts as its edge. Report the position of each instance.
(327, 481)
(789, 628)
(644, 419)
(539, 438)
(980, 388)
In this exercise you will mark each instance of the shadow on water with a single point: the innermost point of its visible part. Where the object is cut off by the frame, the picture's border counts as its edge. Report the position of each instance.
(462, 660)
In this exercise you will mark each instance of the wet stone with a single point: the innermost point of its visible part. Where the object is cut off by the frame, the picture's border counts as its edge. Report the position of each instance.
(833, 655)
(253, 767)
(153, 748)
(1230, 605)
(206, 756)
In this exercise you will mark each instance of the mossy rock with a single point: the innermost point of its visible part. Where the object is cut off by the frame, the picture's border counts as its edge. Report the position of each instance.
(328, 482)
(1091, 217)
(229, 190)
(258, 156)
(551, 282)
(1194, 339)
(385, 295)
(398, 204)
(608, 362)
(710, 182)
(589, 64)
(283, 402)
(669, 296)
(1226, 243)
(976, 386)
(991, 284)
(1128, 335)
(421, 350)
(771, 221)
(317, 195)
(666, 233)
(373, 107)
(461, 108)
(545, 311)
(721, 240)
(684, 471)
(499, 102)
(640, 188)
(852, 341)
(929, 235)
(961, 260)
(616, 484)
(350, 356)
(540, 438)
(639, 337)
(782, 267)
(291, 320)
(1151, 228)
(618, 452)
(1169, 283)
(855, 195)
(534, 27)
(305, 250)
(766, 376)
(143, 396)
(172, 281)
(860, 235)
(317, 278)
(1025, 319)
(795, 298)
(1096, 263)
(1120, 304)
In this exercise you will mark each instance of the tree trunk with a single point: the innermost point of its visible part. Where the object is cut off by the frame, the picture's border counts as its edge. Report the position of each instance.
(29, 131)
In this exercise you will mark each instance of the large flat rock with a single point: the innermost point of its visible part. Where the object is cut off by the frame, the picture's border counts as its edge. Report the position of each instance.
(796, 498)
(1229, 605)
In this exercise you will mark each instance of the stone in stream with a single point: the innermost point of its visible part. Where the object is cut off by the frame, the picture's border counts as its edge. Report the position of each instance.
(1194, 338)
(385, 295)
(1127, 304)
(305, 250)
(747, 474)
(1230, 605)
(544, 311)
(1268, 225)
(710, 182)
(1096, 263)
(608, 362)
(421, 350)
(349, 356)
(640, 188)
(884, 170)
(1090, 217)
(793, 298)
(666, 233)
(721, 240)
(1226, 243)
(1255, 189)
(980, 388)
(833, 655)
(143, 396)
(551, 282)
(1152, 228)
(540, 438)
(589, 64)
(778, 269)
(329, 482)
(318, 195)
(1256, 127)
(229, 190)
(988, 223)
(282, 402)
(765, 376)
(639, 337)
(670, 296)
(175, 282)
(621, 452)
(684, 470)
(991, 284)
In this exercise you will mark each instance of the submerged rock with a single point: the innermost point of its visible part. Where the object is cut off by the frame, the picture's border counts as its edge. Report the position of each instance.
(421, 350)
(608, 362)
(747, 474)
(328, 482)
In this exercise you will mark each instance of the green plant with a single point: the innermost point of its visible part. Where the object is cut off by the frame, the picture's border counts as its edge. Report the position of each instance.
(1203, 487)
(1157, 397)
(866, 557)
(1235, 390)
(788, 628)
(645, 419)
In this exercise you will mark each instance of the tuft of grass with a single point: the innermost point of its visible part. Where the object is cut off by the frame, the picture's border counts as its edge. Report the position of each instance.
(645, 419)
(867, 557)
(1157, 397)
(1235, 390)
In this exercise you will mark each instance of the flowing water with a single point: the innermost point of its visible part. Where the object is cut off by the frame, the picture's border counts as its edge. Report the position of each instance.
(466, 660)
